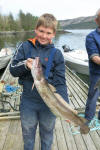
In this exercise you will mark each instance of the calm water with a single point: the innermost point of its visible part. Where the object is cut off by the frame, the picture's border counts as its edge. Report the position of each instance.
(75, 40)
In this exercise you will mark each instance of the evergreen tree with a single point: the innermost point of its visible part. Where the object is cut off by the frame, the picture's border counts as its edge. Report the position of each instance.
(24, 22)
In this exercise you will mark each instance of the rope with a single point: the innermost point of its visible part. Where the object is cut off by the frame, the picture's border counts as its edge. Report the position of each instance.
(93, 125)
(9, 104)
(10, 88)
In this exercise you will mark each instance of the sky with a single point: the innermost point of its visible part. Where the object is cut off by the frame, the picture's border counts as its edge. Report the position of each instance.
(61, 9)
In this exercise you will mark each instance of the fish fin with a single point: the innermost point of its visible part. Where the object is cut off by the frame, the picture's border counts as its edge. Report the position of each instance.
(68, 121)
(32, 86)
(53, 89)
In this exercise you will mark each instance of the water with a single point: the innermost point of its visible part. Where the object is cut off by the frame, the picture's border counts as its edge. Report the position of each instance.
(75, 40)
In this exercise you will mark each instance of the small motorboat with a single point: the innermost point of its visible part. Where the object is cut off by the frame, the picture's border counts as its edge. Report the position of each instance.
(5, 56)
(77, 60)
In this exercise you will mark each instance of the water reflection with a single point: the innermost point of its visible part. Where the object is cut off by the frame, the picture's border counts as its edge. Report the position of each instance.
(75, 39)
(12, 40)
(60, 40)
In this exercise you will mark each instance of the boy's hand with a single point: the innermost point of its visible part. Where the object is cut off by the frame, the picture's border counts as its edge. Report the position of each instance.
(29, 63)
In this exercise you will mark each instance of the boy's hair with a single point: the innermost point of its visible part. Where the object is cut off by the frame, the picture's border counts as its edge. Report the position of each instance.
(48, 21)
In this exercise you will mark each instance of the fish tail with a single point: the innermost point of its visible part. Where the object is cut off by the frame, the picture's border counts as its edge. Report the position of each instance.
(84, 129)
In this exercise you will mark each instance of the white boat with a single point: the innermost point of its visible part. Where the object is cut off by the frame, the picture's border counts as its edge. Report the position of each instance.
(5, 56)
(77, 60)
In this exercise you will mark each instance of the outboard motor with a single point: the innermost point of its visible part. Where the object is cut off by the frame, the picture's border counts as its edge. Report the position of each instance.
(66, 48)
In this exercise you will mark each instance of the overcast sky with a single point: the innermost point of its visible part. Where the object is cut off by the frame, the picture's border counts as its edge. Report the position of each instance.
(61, 9)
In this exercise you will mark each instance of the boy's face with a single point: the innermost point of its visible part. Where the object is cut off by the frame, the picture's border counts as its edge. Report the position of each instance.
(44, 35)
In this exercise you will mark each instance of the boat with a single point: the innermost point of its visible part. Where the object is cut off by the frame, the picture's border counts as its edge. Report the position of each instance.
(5, 56)
(76, 60)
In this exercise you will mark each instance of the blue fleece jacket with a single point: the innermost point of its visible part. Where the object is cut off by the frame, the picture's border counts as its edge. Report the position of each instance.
(93, 49)
(57, 72)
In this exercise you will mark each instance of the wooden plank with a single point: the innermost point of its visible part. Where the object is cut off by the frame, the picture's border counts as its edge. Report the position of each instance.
(22, 146)
(76, 79)
(37, 140)
(78, 90)
(76, 95)
(10, 114)
(5, 74)
(18, 137)
(96, 139)
(61, 142)
(72, 98)
(89, 142)
(73, 101)
(71, 144)
(4, 127)
(9, 142)
(54, 146)
(1, 87)
(82, 110)
(63, 139)
(9, 118)
(77, 101)
(80, 144)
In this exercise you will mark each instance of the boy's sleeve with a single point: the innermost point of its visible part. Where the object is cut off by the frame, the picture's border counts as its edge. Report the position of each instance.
(17, 66)
(91, 46)
(59, 79)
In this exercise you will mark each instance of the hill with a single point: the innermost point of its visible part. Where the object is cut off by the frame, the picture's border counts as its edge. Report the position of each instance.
(78, 23)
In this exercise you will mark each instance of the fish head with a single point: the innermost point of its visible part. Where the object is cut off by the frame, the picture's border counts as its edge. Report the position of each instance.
(36, 70)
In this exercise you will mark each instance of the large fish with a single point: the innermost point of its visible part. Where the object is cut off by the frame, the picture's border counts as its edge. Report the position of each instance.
(53, 100)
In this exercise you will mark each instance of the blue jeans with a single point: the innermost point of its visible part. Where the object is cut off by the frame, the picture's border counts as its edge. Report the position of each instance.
(33, 113)
(93, 95)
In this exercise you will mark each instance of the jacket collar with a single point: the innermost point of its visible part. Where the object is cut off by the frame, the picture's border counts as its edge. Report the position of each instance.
(35, 42)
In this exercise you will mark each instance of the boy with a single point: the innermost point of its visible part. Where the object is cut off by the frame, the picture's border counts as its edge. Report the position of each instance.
(32, 108)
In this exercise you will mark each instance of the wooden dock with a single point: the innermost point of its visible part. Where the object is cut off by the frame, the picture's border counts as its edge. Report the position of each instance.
(10, 129)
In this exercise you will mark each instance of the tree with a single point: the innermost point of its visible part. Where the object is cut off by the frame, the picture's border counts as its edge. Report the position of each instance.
(23, 22)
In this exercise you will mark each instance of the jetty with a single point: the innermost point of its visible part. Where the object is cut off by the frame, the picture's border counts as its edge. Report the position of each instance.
(65, 137)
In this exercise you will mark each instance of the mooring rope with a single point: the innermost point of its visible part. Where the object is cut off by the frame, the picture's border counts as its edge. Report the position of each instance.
(93, 125)
(9, 89)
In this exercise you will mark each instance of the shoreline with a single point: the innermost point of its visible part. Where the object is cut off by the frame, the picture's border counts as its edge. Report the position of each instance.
(17, 32)
(14, 32)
